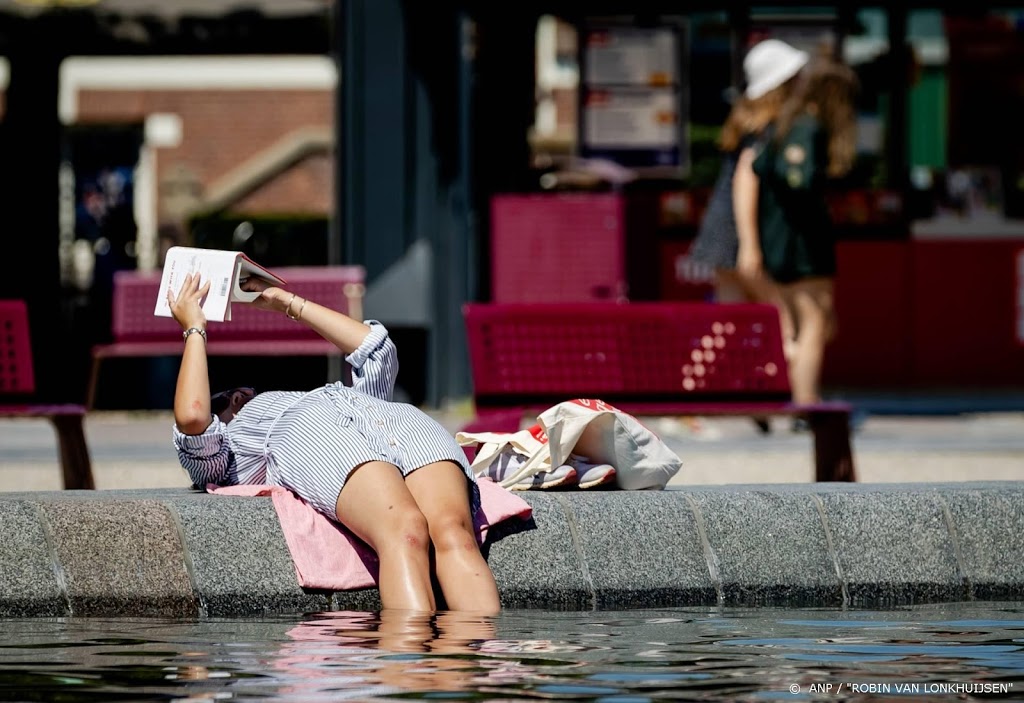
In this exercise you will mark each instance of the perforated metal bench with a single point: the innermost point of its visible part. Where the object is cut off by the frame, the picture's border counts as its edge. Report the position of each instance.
(137, 332)
(648, 359)
(18, 384)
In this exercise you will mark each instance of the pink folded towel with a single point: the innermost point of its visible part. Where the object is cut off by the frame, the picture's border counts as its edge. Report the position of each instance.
(328, 557)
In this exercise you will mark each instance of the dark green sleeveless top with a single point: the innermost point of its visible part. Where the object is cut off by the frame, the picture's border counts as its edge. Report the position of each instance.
(796, 234)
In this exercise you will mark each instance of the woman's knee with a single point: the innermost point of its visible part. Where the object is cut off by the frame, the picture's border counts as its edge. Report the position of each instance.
(405, 531)
(452, 533)
(411, 529)
(813, 317)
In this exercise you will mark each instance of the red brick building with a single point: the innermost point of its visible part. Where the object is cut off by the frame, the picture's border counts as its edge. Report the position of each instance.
(249, 135)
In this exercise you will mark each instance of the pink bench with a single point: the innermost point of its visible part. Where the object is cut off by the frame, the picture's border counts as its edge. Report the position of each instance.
(18, 383)
(138, 332)
(646, 359)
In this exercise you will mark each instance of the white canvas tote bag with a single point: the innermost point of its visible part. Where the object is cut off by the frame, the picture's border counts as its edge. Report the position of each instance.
(531, 443)
(606, 435)
(587, 427)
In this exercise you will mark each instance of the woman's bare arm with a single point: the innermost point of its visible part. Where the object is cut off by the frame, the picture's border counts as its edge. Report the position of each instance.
(192, 412)
(745, 185)
(336, 327)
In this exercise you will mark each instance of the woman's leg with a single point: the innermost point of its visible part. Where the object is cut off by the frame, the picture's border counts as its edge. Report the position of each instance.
(458, 632)
(377, 507)
(811, 302)
(734, 287)
(766, 290)
(729, 287)
(466, 580)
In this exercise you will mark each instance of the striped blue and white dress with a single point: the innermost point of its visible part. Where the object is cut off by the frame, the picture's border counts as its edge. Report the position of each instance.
(310, 442)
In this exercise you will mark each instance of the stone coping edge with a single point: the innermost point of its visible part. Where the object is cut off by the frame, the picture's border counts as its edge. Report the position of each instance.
(182, 553)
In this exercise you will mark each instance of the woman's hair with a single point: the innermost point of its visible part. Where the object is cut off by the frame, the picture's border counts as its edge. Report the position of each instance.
(751, 116)
(827, 90)
(220, 401)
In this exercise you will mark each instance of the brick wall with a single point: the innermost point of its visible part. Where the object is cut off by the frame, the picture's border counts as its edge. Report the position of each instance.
(222, 129)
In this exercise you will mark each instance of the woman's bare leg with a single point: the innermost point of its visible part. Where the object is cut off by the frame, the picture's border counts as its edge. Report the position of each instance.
(765, 290)
(729, 287)
(466, 580)
(735, 287)
(457, 631)
(811, 301)
(377, 507)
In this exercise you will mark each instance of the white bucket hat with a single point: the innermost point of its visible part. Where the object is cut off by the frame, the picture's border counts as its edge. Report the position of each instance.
(769, 64)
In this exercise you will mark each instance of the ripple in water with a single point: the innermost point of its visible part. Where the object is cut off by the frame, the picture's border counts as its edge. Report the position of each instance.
(971, 651)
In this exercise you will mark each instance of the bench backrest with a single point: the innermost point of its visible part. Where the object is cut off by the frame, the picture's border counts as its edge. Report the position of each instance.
(135, 293)
(533, 235)
(656, 352)
(17, 376)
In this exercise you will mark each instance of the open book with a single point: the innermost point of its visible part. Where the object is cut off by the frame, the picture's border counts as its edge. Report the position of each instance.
(224, 269)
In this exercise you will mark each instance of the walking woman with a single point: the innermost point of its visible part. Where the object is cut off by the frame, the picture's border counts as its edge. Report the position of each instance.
(781, 187)
(727, 240)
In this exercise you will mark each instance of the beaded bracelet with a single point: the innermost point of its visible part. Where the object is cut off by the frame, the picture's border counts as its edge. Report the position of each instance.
(191, 331)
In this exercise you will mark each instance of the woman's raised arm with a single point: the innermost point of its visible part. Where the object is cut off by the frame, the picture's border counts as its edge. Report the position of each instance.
(192, 412)
(336, 327)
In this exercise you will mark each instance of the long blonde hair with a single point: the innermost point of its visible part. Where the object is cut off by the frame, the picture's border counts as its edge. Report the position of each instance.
(827, 90)
(752, 116)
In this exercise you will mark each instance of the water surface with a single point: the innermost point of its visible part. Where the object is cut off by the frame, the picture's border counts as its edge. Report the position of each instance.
(970, 651)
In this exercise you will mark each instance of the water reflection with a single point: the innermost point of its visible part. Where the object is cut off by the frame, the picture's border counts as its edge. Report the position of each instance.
(390, 652)
(705, 654)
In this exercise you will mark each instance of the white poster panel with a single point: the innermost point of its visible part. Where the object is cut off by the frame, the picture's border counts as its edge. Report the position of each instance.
(631, 56)
(637, 118)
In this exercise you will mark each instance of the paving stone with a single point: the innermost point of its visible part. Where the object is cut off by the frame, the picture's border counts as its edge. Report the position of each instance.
(534, 562)
(770, 548)
(362, 600)
(641, 548)
(29, 579)
(240, 560)
(120, 558)
(988, 525)
(894, 547)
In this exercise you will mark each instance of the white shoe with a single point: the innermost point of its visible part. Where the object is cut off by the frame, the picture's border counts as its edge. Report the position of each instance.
(509, 461)
(505, 464)
(556, 478)
(589, 475)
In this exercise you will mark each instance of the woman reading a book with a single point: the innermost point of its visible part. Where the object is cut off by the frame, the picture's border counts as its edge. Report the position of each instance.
(388, 472)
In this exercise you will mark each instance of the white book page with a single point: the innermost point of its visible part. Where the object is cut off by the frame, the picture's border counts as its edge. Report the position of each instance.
(216, 266)
(246, 268)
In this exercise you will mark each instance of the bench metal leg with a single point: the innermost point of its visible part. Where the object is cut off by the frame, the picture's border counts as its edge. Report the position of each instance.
(94, 378)
(74, 453)
(833, 454)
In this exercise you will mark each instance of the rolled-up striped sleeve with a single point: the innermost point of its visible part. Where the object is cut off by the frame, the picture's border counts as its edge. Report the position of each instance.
(206, 457)
(375, 363)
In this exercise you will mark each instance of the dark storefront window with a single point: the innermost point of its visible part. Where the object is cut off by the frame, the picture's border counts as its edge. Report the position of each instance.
(985, 75)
